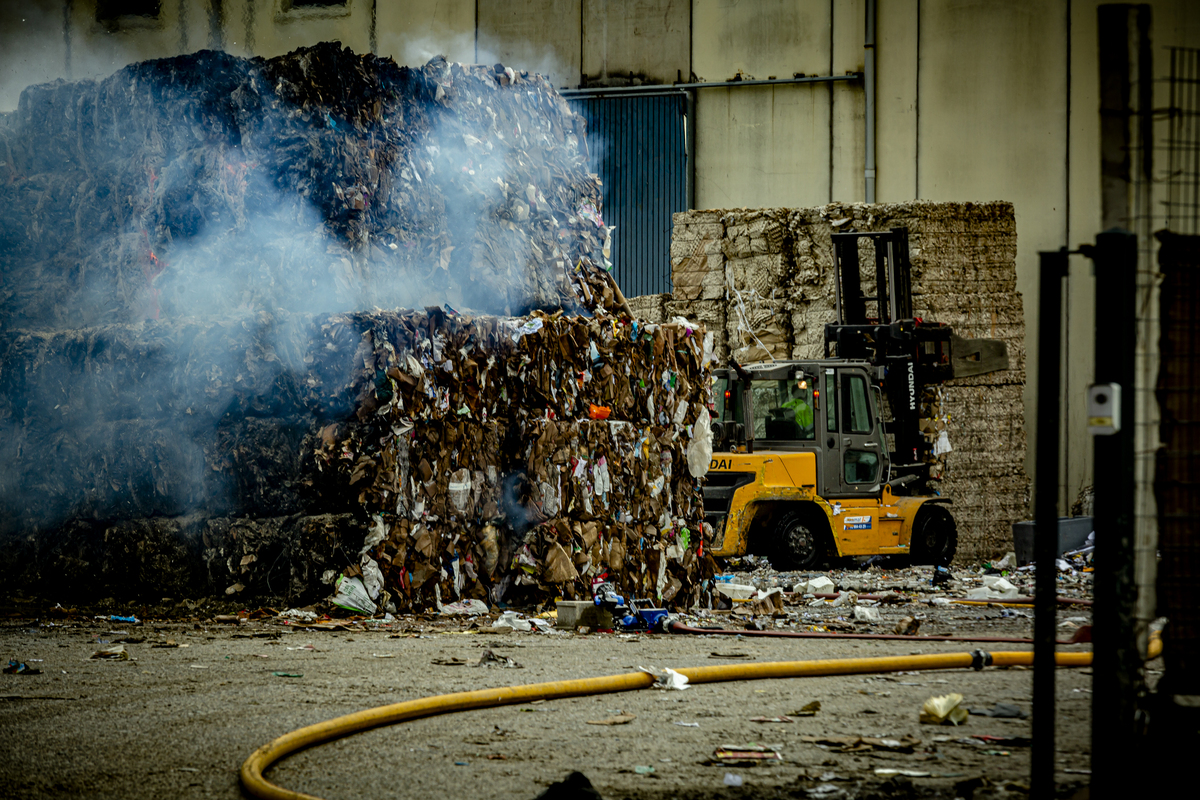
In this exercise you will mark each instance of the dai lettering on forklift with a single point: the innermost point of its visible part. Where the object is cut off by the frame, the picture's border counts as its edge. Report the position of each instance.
(821, 473)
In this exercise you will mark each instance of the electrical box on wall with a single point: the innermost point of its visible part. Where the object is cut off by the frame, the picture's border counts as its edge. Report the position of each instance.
(1104, 409)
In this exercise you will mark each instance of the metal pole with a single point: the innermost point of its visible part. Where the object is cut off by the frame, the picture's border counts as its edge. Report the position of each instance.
(1117, 667)
(678, 87)
(1045, 542)
(869, 98)
(690, 143)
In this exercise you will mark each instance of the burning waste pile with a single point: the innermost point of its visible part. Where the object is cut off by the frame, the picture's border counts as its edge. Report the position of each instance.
(506, 458)
(316, 181)
(199, 391)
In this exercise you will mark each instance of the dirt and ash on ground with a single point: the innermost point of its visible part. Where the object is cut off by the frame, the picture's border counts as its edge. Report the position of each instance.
(200, 685)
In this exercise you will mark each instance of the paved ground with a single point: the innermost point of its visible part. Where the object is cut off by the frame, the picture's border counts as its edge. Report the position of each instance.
(178, 721)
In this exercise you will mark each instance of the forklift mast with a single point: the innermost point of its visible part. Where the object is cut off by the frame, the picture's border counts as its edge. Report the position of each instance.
(911, 353)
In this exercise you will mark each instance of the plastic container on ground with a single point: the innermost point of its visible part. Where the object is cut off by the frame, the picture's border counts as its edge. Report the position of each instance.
(1072, 534)
(736, 591)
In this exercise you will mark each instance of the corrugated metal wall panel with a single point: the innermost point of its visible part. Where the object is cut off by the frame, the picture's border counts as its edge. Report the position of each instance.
(637, 146)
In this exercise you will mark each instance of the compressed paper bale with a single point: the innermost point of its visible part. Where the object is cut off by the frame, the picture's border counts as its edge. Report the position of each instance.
(812, 257)
(683, 246)
(767, 224)
(146, 559)
(971, 460)
(700, 276)
(561, 482)
(709, 313)
(761, 274)
(761, 328)
(290, 554)
(808, 325)
(683, 231)
(650, 307)
(160, 369)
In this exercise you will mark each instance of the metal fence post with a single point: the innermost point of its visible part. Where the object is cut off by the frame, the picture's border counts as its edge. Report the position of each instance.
(1045, 543)
(1117, 665)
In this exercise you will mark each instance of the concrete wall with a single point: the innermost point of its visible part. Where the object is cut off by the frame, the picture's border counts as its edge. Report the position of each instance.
(977, 100)
(648, 41)
(770, 145)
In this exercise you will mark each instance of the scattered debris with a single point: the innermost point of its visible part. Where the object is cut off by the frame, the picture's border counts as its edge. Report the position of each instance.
(908, 773)
(864, 614)
(616, 719)
(575, 786)
(860, 744)
(746, 754)
(491, 659)
(20, 668)
(468, 608)
(352, 595)
(809, 710)
(116, 652)
(666, 678)
(1003, 710)
(944, 710)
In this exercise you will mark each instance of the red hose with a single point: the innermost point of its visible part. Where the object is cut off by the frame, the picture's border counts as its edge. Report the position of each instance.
(1082, 635)
(1072, 601)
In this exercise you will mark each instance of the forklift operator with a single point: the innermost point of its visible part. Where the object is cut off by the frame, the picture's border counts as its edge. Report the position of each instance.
(801, 409)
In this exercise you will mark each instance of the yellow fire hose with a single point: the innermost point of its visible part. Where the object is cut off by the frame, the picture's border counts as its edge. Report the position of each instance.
(262, 758)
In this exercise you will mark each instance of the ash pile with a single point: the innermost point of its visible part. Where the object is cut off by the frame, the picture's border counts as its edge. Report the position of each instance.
(762, 280)
(201, 394)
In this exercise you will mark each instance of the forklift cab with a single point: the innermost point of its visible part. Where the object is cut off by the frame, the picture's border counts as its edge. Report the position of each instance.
(856, 447)
(828, 408)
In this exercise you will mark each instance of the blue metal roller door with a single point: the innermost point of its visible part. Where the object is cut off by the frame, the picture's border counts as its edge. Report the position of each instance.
(637, 145)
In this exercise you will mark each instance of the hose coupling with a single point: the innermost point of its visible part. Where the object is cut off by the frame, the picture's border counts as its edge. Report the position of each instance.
(980, 659)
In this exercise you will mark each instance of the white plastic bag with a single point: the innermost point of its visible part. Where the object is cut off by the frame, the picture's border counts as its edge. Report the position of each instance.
(699, 451)
(372, 577)
(376, 535)
(465, 608)
(666, 678)
(510, 619)
(352, 596)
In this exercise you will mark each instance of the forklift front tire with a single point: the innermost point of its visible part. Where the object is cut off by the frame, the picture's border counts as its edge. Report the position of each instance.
(935, 536)
(801, 542)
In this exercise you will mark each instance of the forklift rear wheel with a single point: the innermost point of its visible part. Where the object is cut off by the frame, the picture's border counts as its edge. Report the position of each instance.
(801, 543)
(935, 538)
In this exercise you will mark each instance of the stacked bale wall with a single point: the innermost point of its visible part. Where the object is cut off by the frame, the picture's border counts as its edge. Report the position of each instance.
(496, 458)
(762, 280)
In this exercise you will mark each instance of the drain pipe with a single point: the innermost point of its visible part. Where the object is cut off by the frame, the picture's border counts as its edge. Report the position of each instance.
(869, 86)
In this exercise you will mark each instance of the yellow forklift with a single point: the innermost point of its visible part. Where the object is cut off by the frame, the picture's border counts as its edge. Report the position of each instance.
(805, 465)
